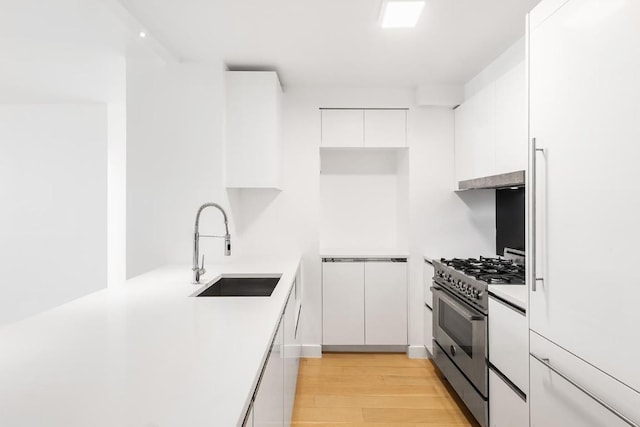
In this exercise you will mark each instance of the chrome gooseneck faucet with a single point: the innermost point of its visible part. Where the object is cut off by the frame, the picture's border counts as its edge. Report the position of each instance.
(197, 270)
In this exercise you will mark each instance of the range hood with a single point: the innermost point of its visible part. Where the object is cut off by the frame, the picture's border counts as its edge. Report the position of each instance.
(504, 180)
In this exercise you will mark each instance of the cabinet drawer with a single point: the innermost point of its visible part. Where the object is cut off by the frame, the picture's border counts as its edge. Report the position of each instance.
(506, 407)
(428, 283)
(557, 400)
(509, 342)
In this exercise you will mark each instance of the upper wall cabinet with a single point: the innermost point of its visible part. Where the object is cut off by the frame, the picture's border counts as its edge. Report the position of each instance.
(491, 129)
(364, 127)
(475, 136)
(253, 131)
(511, 121)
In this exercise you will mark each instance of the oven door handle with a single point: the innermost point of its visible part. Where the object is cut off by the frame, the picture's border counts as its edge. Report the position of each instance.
(458, 307)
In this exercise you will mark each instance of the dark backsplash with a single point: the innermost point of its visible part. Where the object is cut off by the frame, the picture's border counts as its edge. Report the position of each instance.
(510, 219)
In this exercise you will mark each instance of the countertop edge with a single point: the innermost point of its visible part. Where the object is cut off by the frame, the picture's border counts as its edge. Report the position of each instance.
(514, 294)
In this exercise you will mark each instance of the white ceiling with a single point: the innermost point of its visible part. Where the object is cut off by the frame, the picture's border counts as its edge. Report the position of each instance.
(338, 42)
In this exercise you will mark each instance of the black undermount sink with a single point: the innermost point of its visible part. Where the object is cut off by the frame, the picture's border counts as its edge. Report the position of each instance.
(241, 287)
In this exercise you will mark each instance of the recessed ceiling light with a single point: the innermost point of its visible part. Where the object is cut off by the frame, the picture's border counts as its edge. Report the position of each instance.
(142, 34)
(400, 13)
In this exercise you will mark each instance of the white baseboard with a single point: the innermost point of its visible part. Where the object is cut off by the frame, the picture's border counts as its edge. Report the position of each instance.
(312, 350)
(417, 352)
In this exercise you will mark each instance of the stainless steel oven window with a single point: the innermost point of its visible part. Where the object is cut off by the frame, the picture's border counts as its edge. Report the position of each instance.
(457, 327)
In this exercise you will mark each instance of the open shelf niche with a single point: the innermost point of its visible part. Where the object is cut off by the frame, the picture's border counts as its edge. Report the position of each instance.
(364, 198)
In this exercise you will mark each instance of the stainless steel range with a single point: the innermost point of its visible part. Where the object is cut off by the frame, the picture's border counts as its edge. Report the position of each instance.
(460, 310)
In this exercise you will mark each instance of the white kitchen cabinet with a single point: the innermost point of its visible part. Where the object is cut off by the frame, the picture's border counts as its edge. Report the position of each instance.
(428, 329)
(428, 272)
(475, 153)
(291, 354)
(364, 303)
(357, 128)
(511, 134)
(268, 406)
(506, 407)
(343, 303)
(509, 342)
(585, 201)
(491, 128)
(342, 128)
(385, 303)
(555, 402)
(385, 128)
(253, 130)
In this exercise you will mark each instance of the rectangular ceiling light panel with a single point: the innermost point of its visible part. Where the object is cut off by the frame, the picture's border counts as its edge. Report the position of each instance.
(400, 13)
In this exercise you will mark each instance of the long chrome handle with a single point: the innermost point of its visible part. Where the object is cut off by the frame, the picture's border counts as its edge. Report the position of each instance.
(467, 314)
(533, 189)
(601, 402)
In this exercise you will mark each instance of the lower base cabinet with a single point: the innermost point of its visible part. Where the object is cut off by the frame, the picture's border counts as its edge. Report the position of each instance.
(428, 330)
(291, 352)
(268, 404)
(272, 404)
(555, 402)
(506, 407)
(364, 302)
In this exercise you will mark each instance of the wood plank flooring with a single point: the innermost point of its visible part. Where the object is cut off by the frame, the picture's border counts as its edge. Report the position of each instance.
(381, 390)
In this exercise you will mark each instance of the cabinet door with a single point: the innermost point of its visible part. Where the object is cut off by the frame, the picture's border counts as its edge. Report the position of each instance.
(511, 121)
(509, 342)
(291, 356)
(268, 406)
(506, 407)
(253, 147)
(462, 144)
(343, 303)
(428, 329)
(342, 128)
(475, 136)
(385, 128)
(586, 197)
(385, 303)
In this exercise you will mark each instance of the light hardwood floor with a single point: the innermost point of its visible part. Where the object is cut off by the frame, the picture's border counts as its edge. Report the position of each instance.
(381, 390)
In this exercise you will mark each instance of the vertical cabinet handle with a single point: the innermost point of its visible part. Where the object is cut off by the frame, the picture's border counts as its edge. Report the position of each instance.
(534, 150)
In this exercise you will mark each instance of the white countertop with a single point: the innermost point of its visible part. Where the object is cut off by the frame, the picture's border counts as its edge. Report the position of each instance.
(363, 253)
(142, 354)
(515, 294)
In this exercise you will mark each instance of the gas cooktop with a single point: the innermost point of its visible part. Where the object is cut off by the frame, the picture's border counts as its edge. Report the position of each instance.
(469, 279)
(490, 270)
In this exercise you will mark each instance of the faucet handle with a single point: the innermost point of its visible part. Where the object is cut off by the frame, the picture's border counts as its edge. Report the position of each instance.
(202, 268)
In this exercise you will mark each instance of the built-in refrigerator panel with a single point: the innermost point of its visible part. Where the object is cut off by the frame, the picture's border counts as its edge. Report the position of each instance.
(584, 63)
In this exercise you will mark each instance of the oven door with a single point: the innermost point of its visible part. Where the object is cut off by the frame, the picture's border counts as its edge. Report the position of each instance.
(461, 331)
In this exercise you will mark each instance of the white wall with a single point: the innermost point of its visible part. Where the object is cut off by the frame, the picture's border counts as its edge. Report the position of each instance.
(175, 121)
(509, 59)
(53, 221)
(363, 199)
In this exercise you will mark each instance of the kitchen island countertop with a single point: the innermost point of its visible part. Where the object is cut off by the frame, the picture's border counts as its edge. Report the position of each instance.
(145, 353)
